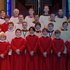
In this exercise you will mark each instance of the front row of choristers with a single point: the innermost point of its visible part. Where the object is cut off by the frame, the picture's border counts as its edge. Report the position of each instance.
(34, 49)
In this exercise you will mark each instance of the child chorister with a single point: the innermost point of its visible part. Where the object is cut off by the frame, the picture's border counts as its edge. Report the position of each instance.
(18, 47)
(58, 48)
(44, 44)
(31, 55)
(4, 48)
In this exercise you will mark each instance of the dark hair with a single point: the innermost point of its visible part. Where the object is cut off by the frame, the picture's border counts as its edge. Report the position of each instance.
(57, 32)
(32, 28)
(37, 23)
(65, 23)
(45, 29)
(11, 23)
(18, 30)
(51, 24)
(7, 17)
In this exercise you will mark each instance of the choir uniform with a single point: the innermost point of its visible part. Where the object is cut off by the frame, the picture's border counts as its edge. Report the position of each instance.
(15, 20)
(44, 19)
(18, 60)
(44, 44)
(29, 21)
(59, 21)
(68, 54)
(4, 62)
(31, 61)
(58, 62)
(2, 21)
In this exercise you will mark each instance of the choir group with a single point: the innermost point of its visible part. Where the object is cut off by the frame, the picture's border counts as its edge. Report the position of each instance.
(34, 42)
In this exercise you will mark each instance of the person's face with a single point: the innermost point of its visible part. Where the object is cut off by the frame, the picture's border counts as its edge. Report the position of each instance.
(31, 31)
(36, 17)
(50, 27)
(60, 12)
(10, 26)
(18, 33)
(44, 32)
(16, 12)
(24, 25)
(46, 9)
(65, 25)
(37, 27)
(7, 20)
(2, 38)
(52, 16)
(57, 35)
(3, 13)
(21, 18)
(31, 11)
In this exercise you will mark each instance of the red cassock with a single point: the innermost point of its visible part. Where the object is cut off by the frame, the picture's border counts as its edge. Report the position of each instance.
(31, 61)
(68, 52)
(4, 62)
(18, 60)
(58, 61)
(4, 27)
(44, 44)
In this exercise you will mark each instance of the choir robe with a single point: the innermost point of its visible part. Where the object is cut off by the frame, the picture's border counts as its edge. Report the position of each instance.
(4, 62)
(15, 20)
(38, 33)
(44, 20)
(59, 21)
(10, 34)
(45, 63)
(68, 54)
(69, 26)
(4, 27)
(29, 21)
(31, 61)
(18, 61)
(2, 21)
(58, 61)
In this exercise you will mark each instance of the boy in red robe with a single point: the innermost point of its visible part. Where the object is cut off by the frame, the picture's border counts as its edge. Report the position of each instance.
(68, 54)
(45, 48)
(4, 48)
(58, 48)
(31, 55)
(18, 47)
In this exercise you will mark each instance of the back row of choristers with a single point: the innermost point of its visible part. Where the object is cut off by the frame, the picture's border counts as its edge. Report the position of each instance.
(34, 53)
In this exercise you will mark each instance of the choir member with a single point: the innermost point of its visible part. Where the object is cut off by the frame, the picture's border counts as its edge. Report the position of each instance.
(25, 31)
(5, 24)
(44, 43)
(30, 18)
(45, 17)
(38, 29)
(50, 30)
(4, 48)
(18, 55)
(14, 18)
(68, 54)
(58, 61)
(10, 33)
(19, 24)
(60, 18)
(31, 55)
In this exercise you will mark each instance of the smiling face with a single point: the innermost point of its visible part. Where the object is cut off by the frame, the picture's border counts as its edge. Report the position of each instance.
(46, 9)
(60, 12)
(31, 11)
(24, 25)
(21, 18)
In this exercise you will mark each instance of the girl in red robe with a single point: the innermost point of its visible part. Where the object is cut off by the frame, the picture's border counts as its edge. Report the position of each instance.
(45, 48)
(4, 48)
(58, 48)
(68, 54)
(31, 55)
(18, 47)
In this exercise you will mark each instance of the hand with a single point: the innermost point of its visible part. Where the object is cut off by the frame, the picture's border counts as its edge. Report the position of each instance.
(18, 51)
(2, 55)
(32, 53)
(59, 54)
(10, 52)
(45, 54)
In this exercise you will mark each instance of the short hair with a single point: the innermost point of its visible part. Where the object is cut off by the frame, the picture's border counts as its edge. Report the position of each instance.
(18, 30)
(57, 32)
(45, 29)
(11, 23)
(32, 29)
(65, 23)
(51, 24)
(37, 23)
(7, 17)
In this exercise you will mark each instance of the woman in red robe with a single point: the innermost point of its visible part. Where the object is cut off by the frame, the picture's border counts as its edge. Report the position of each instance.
(31, 55)
(58, 48)
(68, 54)
(4, 48)
(18, 47)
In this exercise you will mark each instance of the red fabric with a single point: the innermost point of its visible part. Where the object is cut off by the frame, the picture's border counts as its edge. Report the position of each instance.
(44, 44)
(31, 61)
(4, 27)
(58, 62)
(4, 62)
(17, 61)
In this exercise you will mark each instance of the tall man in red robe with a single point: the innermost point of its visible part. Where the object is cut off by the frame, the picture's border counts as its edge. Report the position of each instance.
(18, 47)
